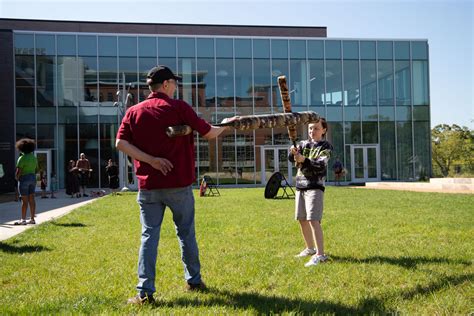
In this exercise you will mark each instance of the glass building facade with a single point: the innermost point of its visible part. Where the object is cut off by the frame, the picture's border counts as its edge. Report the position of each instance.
(373, 93)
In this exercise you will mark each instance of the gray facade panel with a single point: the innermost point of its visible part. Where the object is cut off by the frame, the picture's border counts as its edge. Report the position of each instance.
(7, 119)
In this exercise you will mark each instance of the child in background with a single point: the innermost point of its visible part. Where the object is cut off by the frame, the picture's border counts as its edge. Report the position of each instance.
(54, 185)
(312, 157)
(43, 184)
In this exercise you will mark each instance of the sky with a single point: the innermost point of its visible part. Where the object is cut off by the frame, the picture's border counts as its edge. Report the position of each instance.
(446, 24)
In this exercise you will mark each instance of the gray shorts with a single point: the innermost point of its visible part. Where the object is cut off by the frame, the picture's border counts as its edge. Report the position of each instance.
(309, 205)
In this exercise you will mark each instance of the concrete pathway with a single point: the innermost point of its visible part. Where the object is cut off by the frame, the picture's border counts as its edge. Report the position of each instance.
(46, 210)
(441, 185)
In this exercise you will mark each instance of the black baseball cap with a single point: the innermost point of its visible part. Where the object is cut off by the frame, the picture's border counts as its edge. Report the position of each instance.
(159, 74)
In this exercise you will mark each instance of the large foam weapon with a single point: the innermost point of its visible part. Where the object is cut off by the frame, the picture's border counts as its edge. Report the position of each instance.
(286, 101)
(251, 122)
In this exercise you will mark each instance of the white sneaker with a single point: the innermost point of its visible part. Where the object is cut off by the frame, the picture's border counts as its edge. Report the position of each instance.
(315, 260)
(305, 253)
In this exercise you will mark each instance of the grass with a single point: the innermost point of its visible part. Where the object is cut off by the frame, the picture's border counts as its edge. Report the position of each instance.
(392, 252)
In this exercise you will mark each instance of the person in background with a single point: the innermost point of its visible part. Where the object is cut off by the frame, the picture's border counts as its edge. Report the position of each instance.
(312, 157)
(72, 179)
(165, 171)
(112, 172)
(84, 167)
(338, 170)
(26, 168)
(54, 185)
(43, 185)
(17, 193)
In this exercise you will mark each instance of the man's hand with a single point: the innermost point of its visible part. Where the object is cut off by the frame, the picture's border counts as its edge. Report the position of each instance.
(161, 164)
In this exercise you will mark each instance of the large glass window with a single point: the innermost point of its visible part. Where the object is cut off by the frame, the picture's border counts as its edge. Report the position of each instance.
(108, 70)
(279, 68)
(262, 76)
(45, 67)
(225, 102)
(352, 131)
(316, 76)
(88, 85)
(107, 131)
(333, 49)
(370, 132)
(206, 84)
(24, 70)
(405, 150)
(368, 77)
(206, 77)
(334, 90)
(167, 53)
(262, 85)
(316, 83)
(368, 83)
(128, 66)
(225, 78)
(422, 156)
(108, 115)
(315, 49)
(298, 75)
(67, 71)
(187, 69)
(67, 139)
(420, 82)
(88, 93)
(333, 79)
(87, 45)
(335, 137)
(402, 82)
(385, 83)
(351, 82)
(243, 77)
(387, 151)
(419, 50)
(147, 59)
(385, 50)
(402, 73)
(89, 141)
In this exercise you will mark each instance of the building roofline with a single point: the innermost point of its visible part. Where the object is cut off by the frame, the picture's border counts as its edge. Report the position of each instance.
(161, 28)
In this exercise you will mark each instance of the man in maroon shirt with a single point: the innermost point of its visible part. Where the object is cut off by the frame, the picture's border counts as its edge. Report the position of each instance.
(165, 171)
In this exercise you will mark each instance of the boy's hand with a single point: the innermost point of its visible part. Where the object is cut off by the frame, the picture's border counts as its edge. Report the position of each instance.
(299, 158)
(294, 150)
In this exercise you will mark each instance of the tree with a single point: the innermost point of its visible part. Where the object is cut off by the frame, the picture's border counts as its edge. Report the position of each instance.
(452, 145)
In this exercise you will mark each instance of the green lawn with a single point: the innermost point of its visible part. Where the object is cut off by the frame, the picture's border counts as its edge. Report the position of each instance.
(391, 252)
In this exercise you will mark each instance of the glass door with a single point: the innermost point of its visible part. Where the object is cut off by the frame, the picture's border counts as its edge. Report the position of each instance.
(127, 176)
(44, 168)
(365, 163)
(275, 159)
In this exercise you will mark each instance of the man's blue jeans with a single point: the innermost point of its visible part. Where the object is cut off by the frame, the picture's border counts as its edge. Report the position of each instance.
(152, 208)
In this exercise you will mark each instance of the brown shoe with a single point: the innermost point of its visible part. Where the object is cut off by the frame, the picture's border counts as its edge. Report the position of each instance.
(200, 287)
(141, 300)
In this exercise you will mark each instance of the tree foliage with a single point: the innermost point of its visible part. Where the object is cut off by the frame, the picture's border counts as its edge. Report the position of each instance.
(452, 150)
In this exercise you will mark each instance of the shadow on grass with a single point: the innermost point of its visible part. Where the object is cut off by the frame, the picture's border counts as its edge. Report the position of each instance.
(437, 285)
(68, 224)
(405, 262)
(14, 249)
(262, 304)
